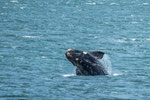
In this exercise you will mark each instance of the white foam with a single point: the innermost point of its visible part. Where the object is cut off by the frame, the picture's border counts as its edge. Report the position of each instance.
(106, 23)
(14, 1)
(14, 47)
(30, 36)
(145, 3)
(125, 40)
(148, 39)
(95, 3)
(115, 74)
(22, 7)
(121, 40)
(113, 3)
(91, 3)
(95, 37)
(43, 57)
(133, 39)
(69, 75)
(134, 22)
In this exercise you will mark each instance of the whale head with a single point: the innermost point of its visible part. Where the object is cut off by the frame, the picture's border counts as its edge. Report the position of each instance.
(75, 56)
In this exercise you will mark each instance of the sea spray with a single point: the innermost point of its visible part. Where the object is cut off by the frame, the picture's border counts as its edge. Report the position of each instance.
(107, 63)
(69, 75)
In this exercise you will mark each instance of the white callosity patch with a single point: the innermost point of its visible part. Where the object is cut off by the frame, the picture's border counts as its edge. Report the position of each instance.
(85, 53)
(77, 59)
(107, 63)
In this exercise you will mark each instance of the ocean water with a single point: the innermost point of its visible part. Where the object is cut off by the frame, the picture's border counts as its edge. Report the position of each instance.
(35, 34)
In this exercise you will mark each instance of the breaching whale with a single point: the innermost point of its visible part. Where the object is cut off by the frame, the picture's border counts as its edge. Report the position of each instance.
(86, 63)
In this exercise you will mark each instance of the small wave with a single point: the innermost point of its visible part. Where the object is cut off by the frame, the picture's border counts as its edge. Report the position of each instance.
(3, 13)
(91, 3)
(44, 57)
(145, 4)
(106, 23)
(22, 7)
(14, 47)
(1, 56)
(133, 39)
(95, 3)
(113, 3)
(148, 39)
(121, 40)
(14, 1)
(134, 22)
(30, 36)
(69, 75)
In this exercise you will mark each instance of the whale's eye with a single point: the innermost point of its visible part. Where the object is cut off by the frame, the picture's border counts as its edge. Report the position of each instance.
(84, 52)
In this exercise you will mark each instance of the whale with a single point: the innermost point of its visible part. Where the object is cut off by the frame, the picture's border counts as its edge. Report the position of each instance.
(86, 63)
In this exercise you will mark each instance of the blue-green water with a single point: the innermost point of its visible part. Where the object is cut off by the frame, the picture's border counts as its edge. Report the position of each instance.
(35, 34)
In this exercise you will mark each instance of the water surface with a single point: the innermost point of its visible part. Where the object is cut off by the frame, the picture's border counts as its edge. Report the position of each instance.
(35, 35)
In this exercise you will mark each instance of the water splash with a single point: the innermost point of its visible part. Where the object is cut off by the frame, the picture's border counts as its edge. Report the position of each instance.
(69, 75)
(116, 74)
(107, 63)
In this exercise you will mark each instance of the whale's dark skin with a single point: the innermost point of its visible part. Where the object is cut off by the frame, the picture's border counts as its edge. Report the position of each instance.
(86, 63)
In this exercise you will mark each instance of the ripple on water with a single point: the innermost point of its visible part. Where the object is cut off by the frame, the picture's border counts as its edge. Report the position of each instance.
(12, 97)
(134, 22)
(22, 8)
(30, 36)
(125, 40)
(14, 1)
(94, 3)
(113, 3)
(33, 68)
(145, 4)
(1, 56)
